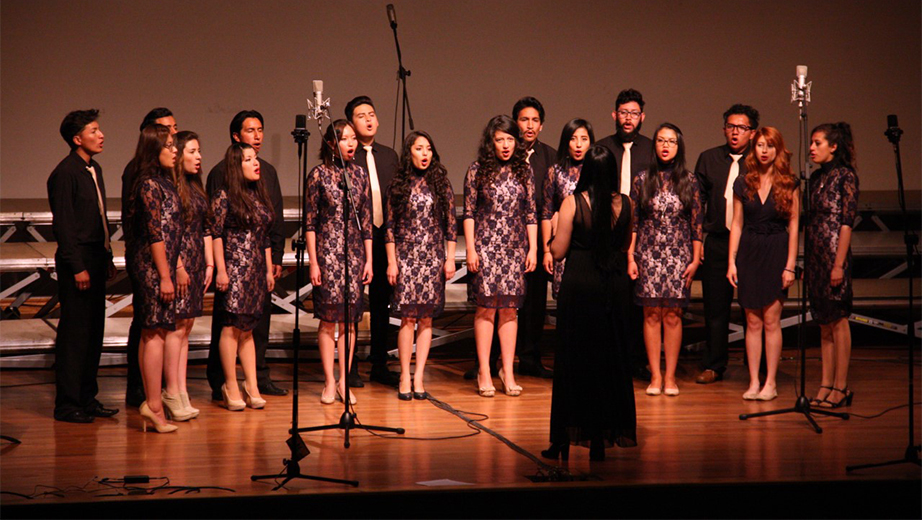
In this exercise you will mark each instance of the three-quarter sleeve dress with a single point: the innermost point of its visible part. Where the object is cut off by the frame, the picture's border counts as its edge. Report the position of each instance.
(193, 256)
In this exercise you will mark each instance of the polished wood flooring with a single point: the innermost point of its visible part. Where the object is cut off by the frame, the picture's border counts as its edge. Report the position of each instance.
(696, 438)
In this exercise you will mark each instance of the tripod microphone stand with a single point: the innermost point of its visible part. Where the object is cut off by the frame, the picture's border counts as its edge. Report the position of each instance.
(402, 73)
(347, 421)
(295, 443)
(911, 455)
(800, 92)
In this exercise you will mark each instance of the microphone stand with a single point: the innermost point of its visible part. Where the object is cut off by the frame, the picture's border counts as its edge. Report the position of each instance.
(405, 112)
(347, 420)
(802, 404)
(295, 442)
(911, 239)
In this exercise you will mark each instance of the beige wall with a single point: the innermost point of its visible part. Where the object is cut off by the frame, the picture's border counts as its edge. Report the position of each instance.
(207, 59)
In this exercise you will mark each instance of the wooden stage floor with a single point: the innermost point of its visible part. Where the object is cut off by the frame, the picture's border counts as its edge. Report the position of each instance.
(689, 442)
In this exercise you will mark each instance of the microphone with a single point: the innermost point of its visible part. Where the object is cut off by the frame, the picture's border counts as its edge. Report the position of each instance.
(300, 122)
(300, 132)
(800, 89)
(319, 107)
(894, 132)
(392, 15)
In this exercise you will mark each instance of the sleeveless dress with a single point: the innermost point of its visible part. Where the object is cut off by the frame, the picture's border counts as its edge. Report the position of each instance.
(593, 393)
(763, 249)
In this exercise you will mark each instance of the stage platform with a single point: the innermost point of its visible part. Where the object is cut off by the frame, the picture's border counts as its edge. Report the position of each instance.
(694, 457)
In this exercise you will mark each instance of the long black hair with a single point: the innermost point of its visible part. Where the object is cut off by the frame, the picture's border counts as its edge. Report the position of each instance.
(681, 178)
(435, 175)
(840, 135)
(241, 205)
(486, 154)
(329, 148)
(151, 142)
(596, 178)
(563, 149)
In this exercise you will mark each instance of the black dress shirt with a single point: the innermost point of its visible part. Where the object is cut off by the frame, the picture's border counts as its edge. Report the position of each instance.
(541, 161)
(75, 208)
(386, 165)
(712, 171)
(270, 179)
(641, 154)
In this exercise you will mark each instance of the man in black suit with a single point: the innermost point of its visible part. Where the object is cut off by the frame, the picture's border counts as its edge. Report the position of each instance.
(83, 261)
(134, 391)
(381, 163)
(247, 127)
(633, 153)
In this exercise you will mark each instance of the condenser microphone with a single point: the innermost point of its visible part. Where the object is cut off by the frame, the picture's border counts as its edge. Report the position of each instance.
(300, 122)
(800, 89)
(801, 73)
(392, 15)
(319, 107)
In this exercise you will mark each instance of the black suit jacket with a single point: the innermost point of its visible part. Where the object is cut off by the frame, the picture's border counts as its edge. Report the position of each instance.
(641, 154)
(541, 161)
(386, 166)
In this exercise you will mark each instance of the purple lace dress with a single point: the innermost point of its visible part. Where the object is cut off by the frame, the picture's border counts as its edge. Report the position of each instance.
(157, 218)
(193, 256)
(501, 213)
(419, 236)
(665, 232)
(833, 204)
(558, 185)
(324, 215)
(245, 245)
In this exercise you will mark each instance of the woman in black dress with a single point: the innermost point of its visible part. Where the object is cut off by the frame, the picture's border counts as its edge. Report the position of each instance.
(501, 233)
(324, 200)
(243, 263)
(152, 254)
(763, 251)
(575, 140)
(593, 396)
(197, 257)
(420, 242)
(828, 254)
(665, 251)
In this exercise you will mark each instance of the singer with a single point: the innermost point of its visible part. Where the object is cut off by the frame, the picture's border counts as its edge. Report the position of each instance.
(325, 221)
(152, 258)
(763, 251)
(665, 251)
(421, 233)
(501, 234)
(717, 170)
(828, 256)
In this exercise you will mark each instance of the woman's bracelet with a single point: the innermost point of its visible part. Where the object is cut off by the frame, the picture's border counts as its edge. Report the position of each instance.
(209, 265)
(790, 270)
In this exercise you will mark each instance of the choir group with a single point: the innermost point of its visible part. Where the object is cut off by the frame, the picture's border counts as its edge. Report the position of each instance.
(619, 227)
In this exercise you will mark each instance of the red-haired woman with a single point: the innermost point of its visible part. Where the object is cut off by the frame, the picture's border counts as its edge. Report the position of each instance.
(763, 251)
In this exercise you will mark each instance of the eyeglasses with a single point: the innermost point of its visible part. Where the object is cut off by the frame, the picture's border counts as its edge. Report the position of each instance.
(738, 128)
(667, 142)
(170, 146)
(633, 114)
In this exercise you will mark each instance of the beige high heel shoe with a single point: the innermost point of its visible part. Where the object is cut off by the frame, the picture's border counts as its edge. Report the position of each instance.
(188, 405)
(253, 402)
(232, 405)
(174, 407)
(148, 415)
(512, 391)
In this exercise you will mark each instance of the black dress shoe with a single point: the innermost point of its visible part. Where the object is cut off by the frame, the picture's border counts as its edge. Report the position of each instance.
(536, 370)
(270, 388)
(421, 396)
(101, 411)
(353, 379)
(77, 416)
(380, 374)
(217, 395)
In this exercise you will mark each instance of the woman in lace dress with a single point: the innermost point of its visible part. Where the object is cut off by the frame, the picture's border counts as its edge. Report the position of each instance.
(501, 232)
(828, 254)
(325, 222)
(575, 139)
(420, 242)
(152, 254)
(197, 258)
(243, 263)
(665, 251)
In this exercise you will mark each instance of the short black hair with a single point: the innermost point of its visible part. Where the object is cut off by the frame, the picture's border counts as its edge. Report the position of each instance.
(356, 101)
(527, 102)
(744, 110)
(628, 95)
(154, 115)
(75, 122)
(236, 124)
